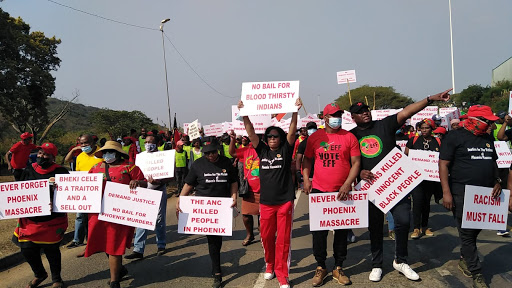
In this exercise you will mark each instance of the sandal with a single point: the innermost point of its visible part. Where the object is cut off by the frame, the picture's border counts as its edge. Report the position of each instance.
(247, 242)
(36, 281)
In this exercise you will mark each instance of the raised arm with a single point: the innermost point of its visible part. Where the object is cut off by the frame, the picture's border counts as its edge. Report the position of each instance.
(293, 124)
(249, 128)
(232, 148)
(414, 108)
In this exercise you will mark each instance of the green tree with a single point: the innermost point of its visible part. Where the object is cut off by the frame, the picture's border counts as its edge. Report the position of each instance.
(118, 123)
(26, 61)
(385, 97)
(496, 97)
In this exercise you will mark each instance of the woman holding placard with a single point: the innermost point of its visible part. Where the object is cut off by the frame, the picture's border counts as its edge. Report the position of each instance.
(277, 193)
(112, 238)
(212, 176)
(34, 234)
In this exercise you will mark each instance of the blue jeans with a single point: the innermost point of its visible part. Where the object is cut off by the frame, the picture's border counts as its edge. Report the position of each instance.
(80, 227)
(141, 234)
(391, 222)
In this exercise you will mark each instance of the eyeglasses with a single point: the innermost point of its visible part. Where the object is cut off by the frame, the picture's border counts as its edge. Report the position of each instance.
(210, 153)
(269, 136)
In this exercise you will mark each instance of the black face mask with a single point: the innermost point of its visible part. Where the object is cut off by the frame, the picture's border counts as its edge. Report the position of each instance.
(44, 162)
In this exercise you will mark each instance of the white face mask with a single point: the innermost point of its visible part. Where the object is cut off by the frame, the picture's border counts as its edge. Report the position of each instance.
(334, 122)
(109, 157)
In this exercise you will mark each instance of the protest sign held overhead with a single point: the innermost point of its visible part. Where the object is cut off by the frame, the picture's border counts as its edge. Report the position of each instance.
(159, 165)
(427, 112)
(344, 77)
(269, 97)
(395, 176)
(259, 122)
(135, 208)
(205, 216)
(482, 211)
(193, 130)
(79, 193)
(24, 199)
(326, 212)
(428, 161)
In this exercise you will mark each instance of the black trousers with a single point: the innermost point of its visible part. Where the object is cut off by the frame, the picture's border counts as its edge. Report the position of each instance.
(421, 196)
(180, 173)
(401, 215)
(214, 246)
(17, 174)
(33, 257)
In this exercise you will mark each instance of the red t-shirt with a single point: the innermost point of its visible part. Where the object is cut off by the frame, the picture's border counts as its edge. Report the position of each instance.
(20, 153)
(332, 154)
(248, 156)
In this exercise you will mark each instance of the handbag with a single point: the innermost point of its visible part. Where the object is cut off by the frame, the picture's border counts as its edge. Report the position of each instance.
(243, 189)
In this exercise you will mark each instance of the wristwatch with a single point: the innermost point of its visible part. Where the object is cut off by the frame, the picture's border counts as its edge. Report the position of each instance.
(498, 180)
(429, 101)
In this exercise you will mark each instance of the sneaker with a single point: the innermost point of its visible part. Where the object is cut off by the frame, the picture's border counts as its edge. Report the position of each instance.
(463, 267)
(73, 245)
(217, 281)
(284, 285)
(428, 232)
(503, 233)
(391, 235)
(405, 269)
(479, 281)
(320, 275)
(160, 252)
(375, 275)
(269, 275)
(351, 238)
(337, 274)
(416, 234)
(134, 255)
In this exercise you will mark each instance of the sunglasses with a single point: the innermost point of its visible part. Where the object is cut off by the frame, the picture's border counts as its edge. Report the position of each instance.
(209, 153)
(269, 136)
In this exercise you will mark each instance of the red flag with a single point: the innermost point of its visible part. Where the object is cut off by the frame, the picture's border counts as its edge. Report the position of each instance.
(280, 116)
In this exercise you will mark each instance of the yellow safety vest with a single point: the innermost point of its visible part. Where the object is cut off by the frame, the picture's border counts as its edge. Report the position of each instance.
(181, 159)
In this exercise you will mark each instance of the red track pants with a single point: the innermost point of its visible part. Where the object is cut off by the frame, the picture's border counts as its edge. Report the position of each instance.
(277, 218)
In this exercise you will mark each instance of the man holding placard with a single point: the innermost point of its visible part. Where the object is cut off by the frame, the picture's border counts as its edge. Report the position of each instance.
(337, 162)
(468, 157)
(376, 140)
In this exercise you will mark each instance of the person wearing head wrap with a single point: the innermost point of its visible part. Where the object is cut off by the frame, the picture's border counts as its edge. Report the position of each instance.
(454, 124)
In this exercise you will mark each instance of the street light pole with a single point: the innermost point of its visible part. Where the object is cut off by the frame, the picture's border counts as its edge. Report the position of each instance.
(165, 67)
(451, 45)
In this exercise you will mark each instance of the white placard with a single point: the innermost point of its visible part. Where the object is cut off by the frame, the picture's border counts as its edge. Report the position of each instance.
(214, 129)
(510, 104)
(159, 164)
(259, 122)
(326, 212)
(24, 199)
(227, 127)
(186, 125)
(136, 208)
(346, 76)
(346, 121)
(402, 144)
(481, 211)
(427, 112)
(396, 175)
(269, 97)
(504, 155)
(383, 113)
(78, 193)
(309, 118)
(447, 118)
(428, 161)
(206, 215)
(193, 130)
(446, 110)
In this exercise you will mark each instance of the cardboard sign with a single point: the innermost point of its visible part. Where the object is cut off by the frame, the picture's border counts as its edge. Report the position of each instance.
(346, 121)
(346, 76)
(186, 125)
(78, 193)
(383, 113)
(136, 208)
(159, 165)
(395, 176)
(446, 110)
(427, 112)
(504, 155)
(269, 97)
(401, 144)
(510, 104)
(481, 211)
(24, 199)
(227, 127)
(214, 129)
(428, 161)
(446, 119)
(259, 122)
(309, 118)
(193, 130)
(326, 212)
(205, 216)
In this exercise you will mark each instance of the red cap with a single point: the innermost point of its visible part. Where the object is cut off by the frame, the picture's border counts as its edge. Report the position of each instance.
(49, 148)
(482, 111)
(331, 109)
(161, 132)
(440, 130)
(26, 135)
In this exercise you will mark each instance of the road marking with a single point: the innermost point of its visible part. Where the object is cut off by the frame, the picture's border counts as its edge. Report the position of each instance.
(260, 282)
(443, 272)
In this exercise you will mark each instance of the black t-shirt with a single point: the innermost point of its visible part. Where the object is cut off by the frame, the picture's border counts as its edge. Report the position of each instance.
(212, 179)
(472, 158)
(30, 174)
(300, 150)
(377, 141)
(508, 133)
(275, 174)
(422, 144)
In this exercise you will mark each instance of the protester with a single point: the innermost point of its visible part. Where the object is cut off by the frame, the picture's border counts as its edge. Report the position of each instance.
(468, 157)
(108, 237)
(439, 132)
(84, 162)
(223, 185)
(331, 143)
(19, 154)
(130, 148)
(139, 244)
(310, 128)
(45, 233)
(454, 124)
(276, 194)
(186, 144)
(250, 162)
(382, 133)
(180, 166)
(195, 151)
(226, 140)
(422, 193)
(77, 151)
(142, 139)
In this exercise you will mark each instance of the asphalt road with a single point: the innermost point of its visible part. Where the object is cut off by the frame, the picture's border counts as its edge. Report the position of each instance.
(186, 262)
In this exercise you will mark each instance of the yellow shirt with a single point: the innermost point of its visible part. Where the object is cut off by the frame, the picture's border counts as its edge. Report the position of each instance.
(84, 161)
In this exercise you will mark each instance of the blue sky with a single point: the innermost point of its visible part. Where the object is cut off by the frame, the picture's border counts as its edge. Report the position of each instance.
(399, 43)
